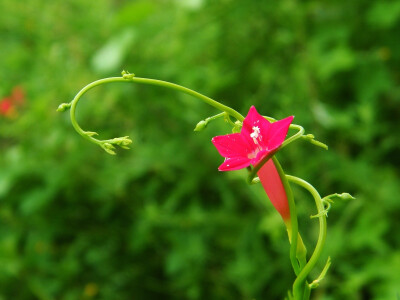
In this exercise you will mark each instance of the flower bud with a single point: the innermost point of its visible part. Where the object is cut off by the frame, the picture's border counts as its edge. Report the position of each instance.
(91, 133)
(345, 196)
(63, 107)
(109, 148)
(238, 127)
(123, 142)
(201, 125)
(127, 75)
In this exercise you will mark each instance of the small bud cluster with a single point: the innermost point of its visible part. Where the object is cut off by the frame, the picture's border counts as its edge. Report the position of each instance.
(328, 200)
(109, 148)
(127, 75)
(108, 145)
(123, 142)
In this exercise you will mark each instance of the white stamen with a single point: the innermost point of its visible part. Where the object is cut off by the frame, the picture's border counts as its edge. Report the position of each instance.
(254, 135)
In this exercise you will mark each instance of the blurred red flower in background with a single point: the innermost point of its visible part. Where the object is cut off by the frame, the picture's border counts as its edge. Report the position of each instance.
(9, 104)
(6, 106)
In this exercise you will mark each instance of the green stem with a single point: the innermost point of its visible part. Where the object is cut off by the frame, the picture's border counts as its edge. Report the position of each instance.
(148, 81)
(307, 291)
(298, 135)
(297, 249)
(300, 281)
(209, 119)
(228, 118)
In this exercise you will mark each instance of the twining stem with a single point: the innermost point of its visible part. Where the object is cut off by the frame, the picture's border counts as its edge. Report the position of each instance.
(300, 282)
(126, 77)
(298, 135)
(156, 82)
(301, 289)
(229, 111)
(215, 117)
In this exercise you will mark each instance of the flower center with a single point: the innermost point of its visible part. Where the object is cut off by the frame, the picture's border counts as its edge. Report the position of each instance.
(255, 134)
(252, 154)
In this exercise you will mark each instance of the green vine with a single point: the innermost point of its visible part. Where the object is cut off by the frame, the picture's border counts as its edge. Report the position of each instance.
(298, 253)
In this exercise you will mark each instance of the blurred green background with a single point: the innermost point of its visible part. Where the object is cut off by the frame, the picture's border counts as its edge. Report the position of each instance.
(159, 221)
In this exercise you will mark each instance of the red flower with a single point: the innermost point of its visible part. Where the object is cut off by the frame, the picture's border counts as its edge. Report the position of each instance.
(9, 104)
(6, 106)
(257, 139)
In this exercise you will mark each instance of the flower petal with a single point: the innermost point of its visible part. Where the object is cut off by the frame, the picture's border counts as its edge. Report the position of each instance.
(252, 120)
(232, 145)
(235, 163)
(278, 132)
(256, 128)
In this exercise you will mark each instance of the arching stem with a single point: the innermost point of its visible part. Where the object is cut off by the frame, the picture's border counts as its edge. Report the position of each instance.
(130, 78)
(300, 287)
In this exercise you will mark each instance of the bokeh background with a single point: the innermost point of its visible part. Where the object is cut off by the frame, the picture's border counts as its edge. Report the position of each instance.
(159, 221)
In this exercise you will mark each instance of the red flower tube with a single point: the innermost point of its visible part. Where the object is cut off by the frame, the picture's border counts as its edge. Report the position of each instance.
(273, 186)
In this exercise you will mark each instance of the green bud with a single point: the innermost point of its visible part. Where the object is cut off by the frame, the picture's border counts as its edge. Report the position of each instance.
(91, 133)
(109, 148)
(63, 107)
(328, 200)
(237, 127)
(123, 142)
(255, 180)
(127, 75)
(342, 196)
(346, 196)
(201, 125)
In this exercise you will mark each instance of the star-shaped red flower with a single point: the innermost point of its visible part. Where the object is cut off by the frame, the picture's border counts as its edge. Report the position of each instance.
(257, 139)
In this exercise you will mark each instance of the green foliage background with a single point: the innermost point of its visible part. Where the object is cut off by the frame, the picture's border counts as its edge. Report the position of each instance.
(159, 221)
